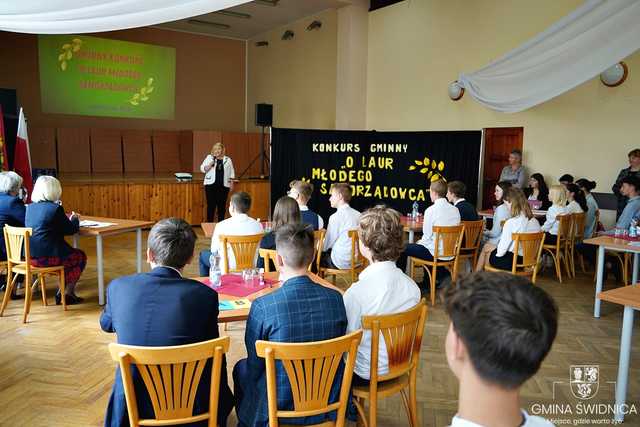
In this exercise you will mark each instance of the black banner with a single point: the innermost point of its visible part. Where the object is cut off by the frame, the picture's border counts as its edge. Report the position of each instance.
(394, 168)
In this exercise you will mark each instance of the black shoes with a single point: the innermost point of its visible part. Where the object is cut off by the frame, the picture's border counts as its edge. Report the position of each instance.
(70, 299)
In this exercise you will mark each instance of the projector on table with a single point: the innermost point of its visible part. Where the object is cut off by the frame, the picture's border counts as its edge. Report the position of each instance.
(183, 176)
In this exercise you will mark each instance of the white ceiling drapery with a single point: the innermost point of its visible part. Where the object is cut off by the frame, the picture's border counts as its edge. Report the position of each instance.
(577, 48)
(89, 16)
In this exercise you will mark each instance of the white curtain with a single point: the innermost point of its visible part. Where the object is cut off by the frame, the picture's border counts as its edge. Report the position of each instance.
(577, 48)
(88, 16)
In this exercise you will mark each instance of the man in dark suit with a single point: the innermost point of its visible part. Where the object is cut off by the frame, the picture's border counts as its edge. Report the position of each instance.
(161, 308)
(299, 311)
(455, 194)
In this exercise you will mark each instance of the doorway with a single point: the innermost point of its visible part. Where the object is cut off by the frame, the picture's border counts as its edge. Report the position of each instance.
(498, 144)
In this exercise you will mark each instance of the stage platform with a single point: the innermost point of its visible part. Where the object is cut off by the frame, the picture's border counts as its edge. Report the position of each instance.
(150, 197)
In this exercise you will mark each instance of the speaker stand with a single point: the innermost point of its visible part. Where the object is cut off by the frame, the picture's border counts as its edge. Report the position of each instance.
(264, 159)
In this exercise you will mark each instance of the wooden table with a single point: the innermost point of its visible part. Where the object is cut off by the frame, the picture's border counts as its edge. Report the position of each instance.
(412, 225)
(120, 226)
(611, 243)
(243, 313)
(629, 297)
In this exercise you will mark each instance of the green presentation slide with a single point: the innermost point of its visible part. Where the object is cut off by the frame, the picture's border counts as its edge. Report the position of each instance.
(102, 77)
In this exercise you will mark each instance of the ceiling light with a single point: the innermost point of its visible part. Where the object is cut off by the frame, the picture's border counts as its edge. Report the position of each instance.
(288, 35)
(615, 75)
(456, 91)
(314, 25)
(233, 14)
(209, 24)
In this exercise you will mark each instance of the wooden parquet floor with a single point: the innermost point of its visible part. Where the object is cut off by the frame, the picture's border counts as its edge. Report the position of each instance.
(56, 371)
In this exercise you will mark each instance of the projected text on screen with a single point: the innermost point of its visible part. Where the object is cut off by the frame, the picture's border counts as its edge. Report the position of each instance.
(102, 77)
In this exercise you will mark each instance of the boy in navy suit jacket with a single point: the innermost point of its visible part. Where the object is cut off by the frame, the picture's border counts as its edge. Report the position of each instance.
(299, 311)
(455, 194)
(161, 308)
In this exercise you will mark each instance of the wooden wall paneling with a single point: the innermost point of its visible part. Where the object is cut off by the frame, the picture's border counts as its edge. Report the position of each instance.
(110, 200)
(203, 140)
(185, 139)
(73, 150)
(253, 150)
(236, 147)
(106, 150)
(260, 196)
(166, 151)
(137, 151)
(79, 198)
(42, 144)
(139, 201)
(168, 200)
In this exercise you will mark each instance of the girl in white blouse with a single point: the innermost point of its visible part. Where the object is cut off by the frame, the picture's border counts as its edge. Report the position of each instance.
(500, 214)
(521, 221)
(558, 198)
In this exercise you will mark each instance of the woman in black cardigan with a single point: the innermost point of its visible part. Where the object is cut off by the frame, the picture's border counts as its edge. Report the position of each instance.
(538, 190)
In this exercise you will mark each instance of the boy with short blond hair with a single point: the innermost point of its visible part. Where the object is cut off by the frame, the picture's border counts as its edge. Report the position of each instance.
(337, 243)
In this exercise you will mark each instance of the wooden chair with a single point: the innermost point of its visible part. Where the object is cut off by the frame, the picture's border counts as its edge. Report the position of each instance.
(471, 241)
(530, 245)
(318, 243)
(560, 250)
(311, 368)
(244, 250)
(268, 255)
(577, 236)
(15, 238)
(357, 262)
(448, 240)
(402, 334)
(171, 376)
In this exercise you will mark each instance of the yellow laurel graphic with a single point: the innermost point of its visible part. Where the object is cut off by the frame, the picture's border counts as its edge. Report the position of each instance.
(429, 167)
(143, 94)
(67, 52)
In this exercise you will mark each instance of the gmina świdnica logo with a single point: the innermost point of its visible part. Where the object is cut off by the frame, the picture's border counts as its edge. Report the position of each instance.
(585, 380)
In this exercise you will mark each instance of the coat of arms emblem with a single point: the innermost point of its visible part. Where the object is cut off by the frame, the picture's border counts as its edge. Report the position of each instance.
(585, 380)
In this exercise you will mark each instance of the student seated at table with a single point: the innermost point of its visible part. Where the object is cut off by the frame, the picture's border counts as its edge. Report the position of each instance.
(565, 179)
(12, 212)
(491, 237)
(538, 190)
(382, 288)
(630, 187)
(161, 308)
(299, 311)
(455, 194)
(592, 206)
(558, 198)
(50, 224)
(240, 224)
(440, 213)
(301, 192)
(501, 329)
(577, 200)
(285, 212)
(521, 221)
(337, 243)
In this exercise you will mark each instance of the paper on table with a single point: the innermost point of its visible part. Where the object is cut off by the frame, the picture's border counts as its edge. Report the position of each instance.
(234, 304)
(95, 224)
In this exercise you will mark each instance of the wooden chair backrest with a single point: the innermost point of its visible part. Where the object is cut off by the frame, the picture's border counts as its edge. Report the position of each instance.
(356, 256)
(472, 234)
(268, 255)
(171, 376)
(448, 240)
(530, 244)
(318, 244)
(244, 250)
(311, 368)
(565, 223)
(579, 220)
(402, 334)
(14, 239)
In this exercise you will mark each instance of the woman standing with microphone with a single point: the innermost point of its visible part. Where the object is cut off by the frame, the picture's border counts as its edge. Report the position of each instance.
(219, 172)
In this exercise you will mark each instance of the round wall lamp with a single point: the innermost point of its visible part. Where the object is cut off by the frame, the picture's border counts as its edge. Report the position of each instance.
(615, 75)
(455, 91)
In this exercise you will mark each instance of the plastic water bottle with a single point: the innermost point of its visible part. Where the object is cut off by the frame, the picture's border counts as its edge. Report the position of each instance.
(215, 275)
(414, 211)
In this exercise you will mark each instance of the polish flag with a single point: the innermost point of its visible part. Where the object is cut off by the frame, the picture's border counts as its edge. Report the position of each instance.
(22, 158)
